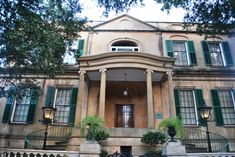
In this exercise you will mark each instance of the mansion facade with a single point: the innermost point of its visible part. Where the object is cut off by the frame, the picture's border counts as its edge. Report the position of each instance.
(133, 74)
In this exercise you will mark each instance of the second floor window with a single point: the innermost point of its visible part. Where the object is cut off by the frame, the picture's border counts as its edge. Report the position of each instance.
(217, 53)
(124, 46)
(183, 51)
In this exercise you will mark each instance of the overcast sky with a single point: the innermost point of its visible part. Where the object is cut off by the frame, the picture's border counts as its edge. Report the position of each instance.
(151, 12)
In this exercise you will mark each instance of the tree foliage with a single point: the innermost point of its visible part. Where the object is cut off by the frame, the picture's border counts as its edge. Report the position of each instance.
(34, 34)
(210, 17)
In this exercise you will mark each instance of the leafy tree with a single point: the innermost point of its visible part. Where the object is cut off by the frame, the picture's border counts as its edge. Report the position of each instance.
(34, 34)
(210, 17)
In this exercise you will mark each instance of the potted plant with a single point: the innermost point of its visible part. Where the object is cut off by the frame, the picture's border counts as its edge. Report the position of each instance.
(173, 126)
(153, 138)
(92, 128)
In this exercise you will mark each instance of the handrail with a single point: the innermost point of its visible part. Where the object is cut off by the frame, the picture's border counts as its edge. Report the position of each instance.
(34, 140)
(198, 139)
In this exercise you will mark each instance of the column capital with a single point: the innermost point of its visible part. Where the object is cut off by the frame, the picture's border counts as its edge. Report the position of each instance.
(82, 72)
(103, 70)
(169, 73)
(149, 70)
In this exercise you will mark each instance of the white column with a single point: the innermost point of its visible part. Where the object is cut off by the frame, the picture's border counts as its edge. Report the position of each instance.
(171, 94)
(102, 93)
(81, 108)
(150, 108)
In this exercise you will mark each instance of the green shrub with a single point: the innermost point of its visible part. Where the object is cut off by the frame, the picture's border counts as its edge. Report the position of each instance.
(92, 128)
(154, 138)
(157, 153)
(104, 153)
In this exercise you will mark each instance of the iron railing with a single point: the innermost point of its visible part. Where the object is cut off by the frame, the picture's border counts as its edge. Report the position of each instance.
(196, 141)
(56, 134)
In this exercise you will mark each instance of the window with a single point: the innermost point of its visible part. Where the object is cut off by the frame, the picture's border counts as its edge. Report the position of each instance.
(124, 116)
(217, 53)
(64, 100)
(224, 106)
(62, 104)
(76, 47)
(20, 110)
(183, 51)
(124, 46)
(187, 101)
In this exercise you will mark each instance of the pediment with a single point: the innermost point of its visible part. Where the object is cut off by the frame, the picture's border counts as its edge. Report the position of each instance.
(125, 22)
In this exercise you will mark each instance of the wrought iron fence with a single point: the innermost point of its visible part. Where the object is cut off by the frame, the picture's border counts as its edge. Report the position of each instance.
(56, 134)
(196, 141)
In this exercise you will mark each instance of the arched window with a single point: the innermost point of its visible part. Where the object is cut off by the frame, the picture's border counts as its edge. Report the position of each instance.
(124, 46)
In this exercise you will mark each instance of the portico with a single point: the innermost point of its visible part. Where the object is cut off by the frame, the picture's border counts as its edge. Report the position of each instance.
(104, 74)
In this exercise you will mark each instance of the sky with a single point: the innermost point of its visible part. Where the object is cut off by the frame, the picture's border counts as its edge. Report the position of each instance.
(151, 12)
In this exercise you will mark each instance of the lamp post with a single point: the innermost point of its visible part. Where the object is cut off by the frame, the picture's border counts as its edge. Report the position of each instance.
(48, 116)
(205, 113)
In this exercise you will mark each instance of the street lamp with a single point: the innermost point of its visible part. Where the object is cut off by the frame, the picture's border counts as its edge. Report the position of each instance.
(48, 116)
(205, 112)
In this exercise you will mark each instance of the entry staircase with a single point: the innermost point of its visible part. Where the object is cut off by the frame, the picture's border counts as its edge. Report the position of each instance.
(194, 139)
(57, 138)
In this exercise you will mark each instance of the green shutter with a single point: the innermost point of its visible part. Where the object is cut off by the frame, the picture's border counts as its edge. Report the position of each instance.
(32, 107)
(206, 53)
(227, 54)
(8, 109)
(217, 109)
(192, 54)
(50, 96)
(73, 104)
(177, 102)
(169, 48)
(81, 47)
(199, 103)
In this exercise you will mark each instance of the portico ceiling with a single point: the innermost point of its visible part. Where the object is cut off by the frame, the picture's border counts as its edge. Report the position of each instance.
(119, 75)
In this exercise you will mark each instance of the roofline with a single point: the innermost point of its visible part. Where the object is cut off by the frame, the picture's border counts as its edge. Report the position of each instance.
(156, 28)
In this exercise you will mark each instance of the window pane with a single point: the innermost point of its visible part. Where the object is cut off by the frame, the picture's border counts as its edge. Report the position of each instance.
(215, 54)
(62, 104)
(227, 106)
(187, 107)
(180, 53)
(22, 108)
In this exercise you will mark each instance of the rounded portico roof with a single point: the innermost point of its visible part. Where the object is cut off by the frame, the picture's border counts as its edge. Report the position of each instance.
(134, 64)
(126, 60)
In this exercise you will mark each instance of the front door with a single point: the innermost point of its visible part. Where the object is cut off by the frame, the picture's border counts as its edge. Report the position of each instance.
(124, 116)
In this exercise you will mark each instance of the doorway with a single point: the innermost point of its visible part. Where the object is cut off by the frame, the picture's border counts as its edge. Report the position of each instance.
(124, 116)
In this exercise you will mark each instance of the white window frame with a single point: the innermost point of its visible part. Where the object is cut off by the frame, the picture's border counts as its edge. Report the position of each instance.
(195, 107)
(186, 50)
(222, 53)
(70, 57)
(233, 101)
(14, 110)
(124, 48)
(54, 103)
